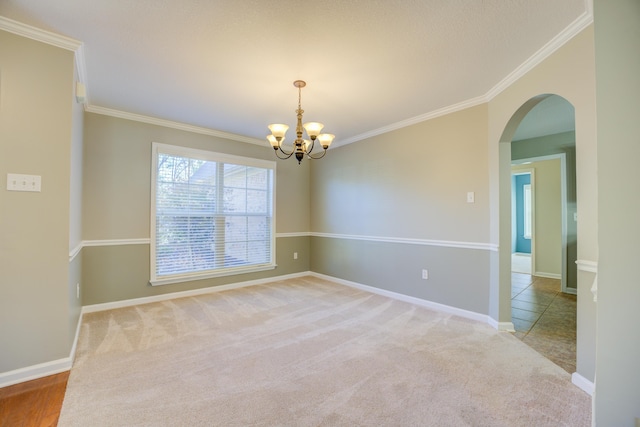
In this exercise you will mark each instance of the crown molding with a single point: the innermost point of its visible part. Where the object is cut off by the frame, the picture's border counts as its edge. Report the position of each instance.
(37, 34)
(171, 124)
(50, 38)
(582, 22)
(414, 120)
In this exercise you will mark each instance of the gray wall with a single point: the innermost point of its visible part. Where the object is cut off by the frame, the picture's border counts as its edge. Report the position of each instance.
(116, 206)
(404, 195)
(35, 138)
(617, 43)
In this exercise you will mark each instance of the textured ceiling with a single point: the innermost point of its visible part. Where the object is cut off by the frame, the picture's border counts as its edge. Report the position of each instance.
(229, 65)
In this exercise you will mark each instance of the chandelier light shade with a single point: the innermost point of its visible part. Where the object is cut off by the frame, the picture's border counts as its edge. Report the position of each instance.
(301, 147)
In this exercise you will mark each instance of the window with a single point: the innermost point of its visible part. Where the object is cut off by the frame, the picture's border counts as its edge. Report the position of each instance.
(211, 214)
(527, 211)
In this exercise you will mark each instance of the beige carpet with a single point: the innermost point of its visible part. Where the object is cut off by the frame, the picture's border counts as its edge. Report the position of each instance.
(307, 352)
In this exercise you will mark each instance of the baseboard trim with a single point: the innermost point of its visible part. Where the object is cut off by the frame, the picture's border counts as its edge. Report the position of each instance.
(501, 326)
(583, 383)
(33, 372)
(61, 365)
(45, 369)
(202, 291)
(547, 275)
(406, 298)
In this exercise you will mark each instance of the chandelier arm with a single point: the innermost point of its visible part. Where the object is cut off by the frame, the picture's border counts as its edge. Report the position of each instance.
(317, 157)
(310, 149)
(287, 155)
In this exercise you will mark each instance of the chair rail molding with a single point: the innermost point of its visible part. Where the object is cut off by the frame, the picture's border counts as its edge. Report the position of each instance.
(591, 267)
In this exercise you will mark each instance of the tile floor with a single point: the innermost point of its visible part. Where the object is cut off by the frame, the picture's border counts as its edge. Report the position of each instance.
(545, 318)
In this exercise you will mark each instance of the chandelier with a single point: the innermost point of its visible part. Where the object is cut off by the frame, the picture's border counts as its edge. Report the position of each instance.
(301, 147)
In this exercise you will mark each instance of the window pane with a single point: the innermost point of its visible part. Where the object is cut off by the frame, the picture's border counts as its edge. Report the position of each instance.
(257, 201)
(258, 228)
(235, 176)
(257, 178)
(235, 200)
(236, 229)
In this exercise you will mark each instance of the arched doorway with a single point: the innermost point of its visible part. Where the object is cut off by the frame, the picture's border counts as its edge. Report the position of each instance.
(540, 136)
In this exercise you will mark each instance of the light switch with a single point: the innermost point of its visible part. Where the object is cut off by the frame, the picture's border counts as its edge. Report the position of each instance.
(19, 182)
(471, 197)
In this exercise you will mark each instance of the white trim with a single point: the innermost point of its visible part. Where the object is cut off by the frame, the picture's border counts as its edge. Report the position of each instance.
(589, 266)
(583, 383)
(409, 299)
(532, 181)
(74, 346)
(401, 297)
(548, 275)
(116, 242)
(173, 125)
(414, 120)
(38, 34)
(45, 369)
(182, 294)
(543, 53)
(409, 241)
(582, 22)
(563, 216)
(75, 251)
(297, 234)
(146, 241)
(423, 242)
(501, 326)
(181, 278)
(575, 28)
(33, 372)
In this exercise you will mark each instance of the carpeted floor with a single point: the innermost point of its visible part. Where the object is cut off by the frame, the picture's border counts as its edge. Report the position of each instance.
(308, 352)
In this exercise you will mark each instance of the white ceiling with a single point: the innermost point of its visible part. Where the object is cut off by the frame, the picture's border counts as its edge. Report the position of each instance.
(229, 65)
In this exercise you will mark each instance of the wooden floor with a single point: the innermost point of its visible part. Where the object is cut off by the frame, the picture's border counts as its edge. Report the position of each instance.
(33, 403)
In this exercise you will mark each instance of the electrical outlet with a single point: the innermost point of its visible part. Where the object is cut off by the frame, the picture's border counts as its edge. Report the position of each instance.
(295, 255)
(77, 290)
(425, 274)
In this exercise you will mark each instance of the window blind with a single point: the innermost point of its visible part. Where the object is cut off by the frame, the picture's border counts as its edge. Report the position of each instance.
(212, 214)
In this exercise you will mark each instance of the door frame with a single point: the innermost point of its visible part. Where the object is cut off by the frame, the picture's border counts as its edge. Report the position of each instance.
(532, 173)
(563, 213)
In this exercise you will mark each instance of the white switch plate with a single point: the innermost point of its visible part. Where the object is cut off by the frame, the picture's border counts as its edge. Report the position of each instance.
(471, 197)
(19, 182)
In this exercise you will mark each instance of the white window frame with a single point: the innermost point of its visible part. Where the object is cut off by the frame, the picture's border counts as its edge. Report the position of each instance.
(528, 214)
(158, 148)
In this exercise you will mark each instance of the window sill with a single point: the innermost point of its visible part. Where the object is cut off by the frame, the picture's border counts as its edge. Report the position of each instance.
(168, 280)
